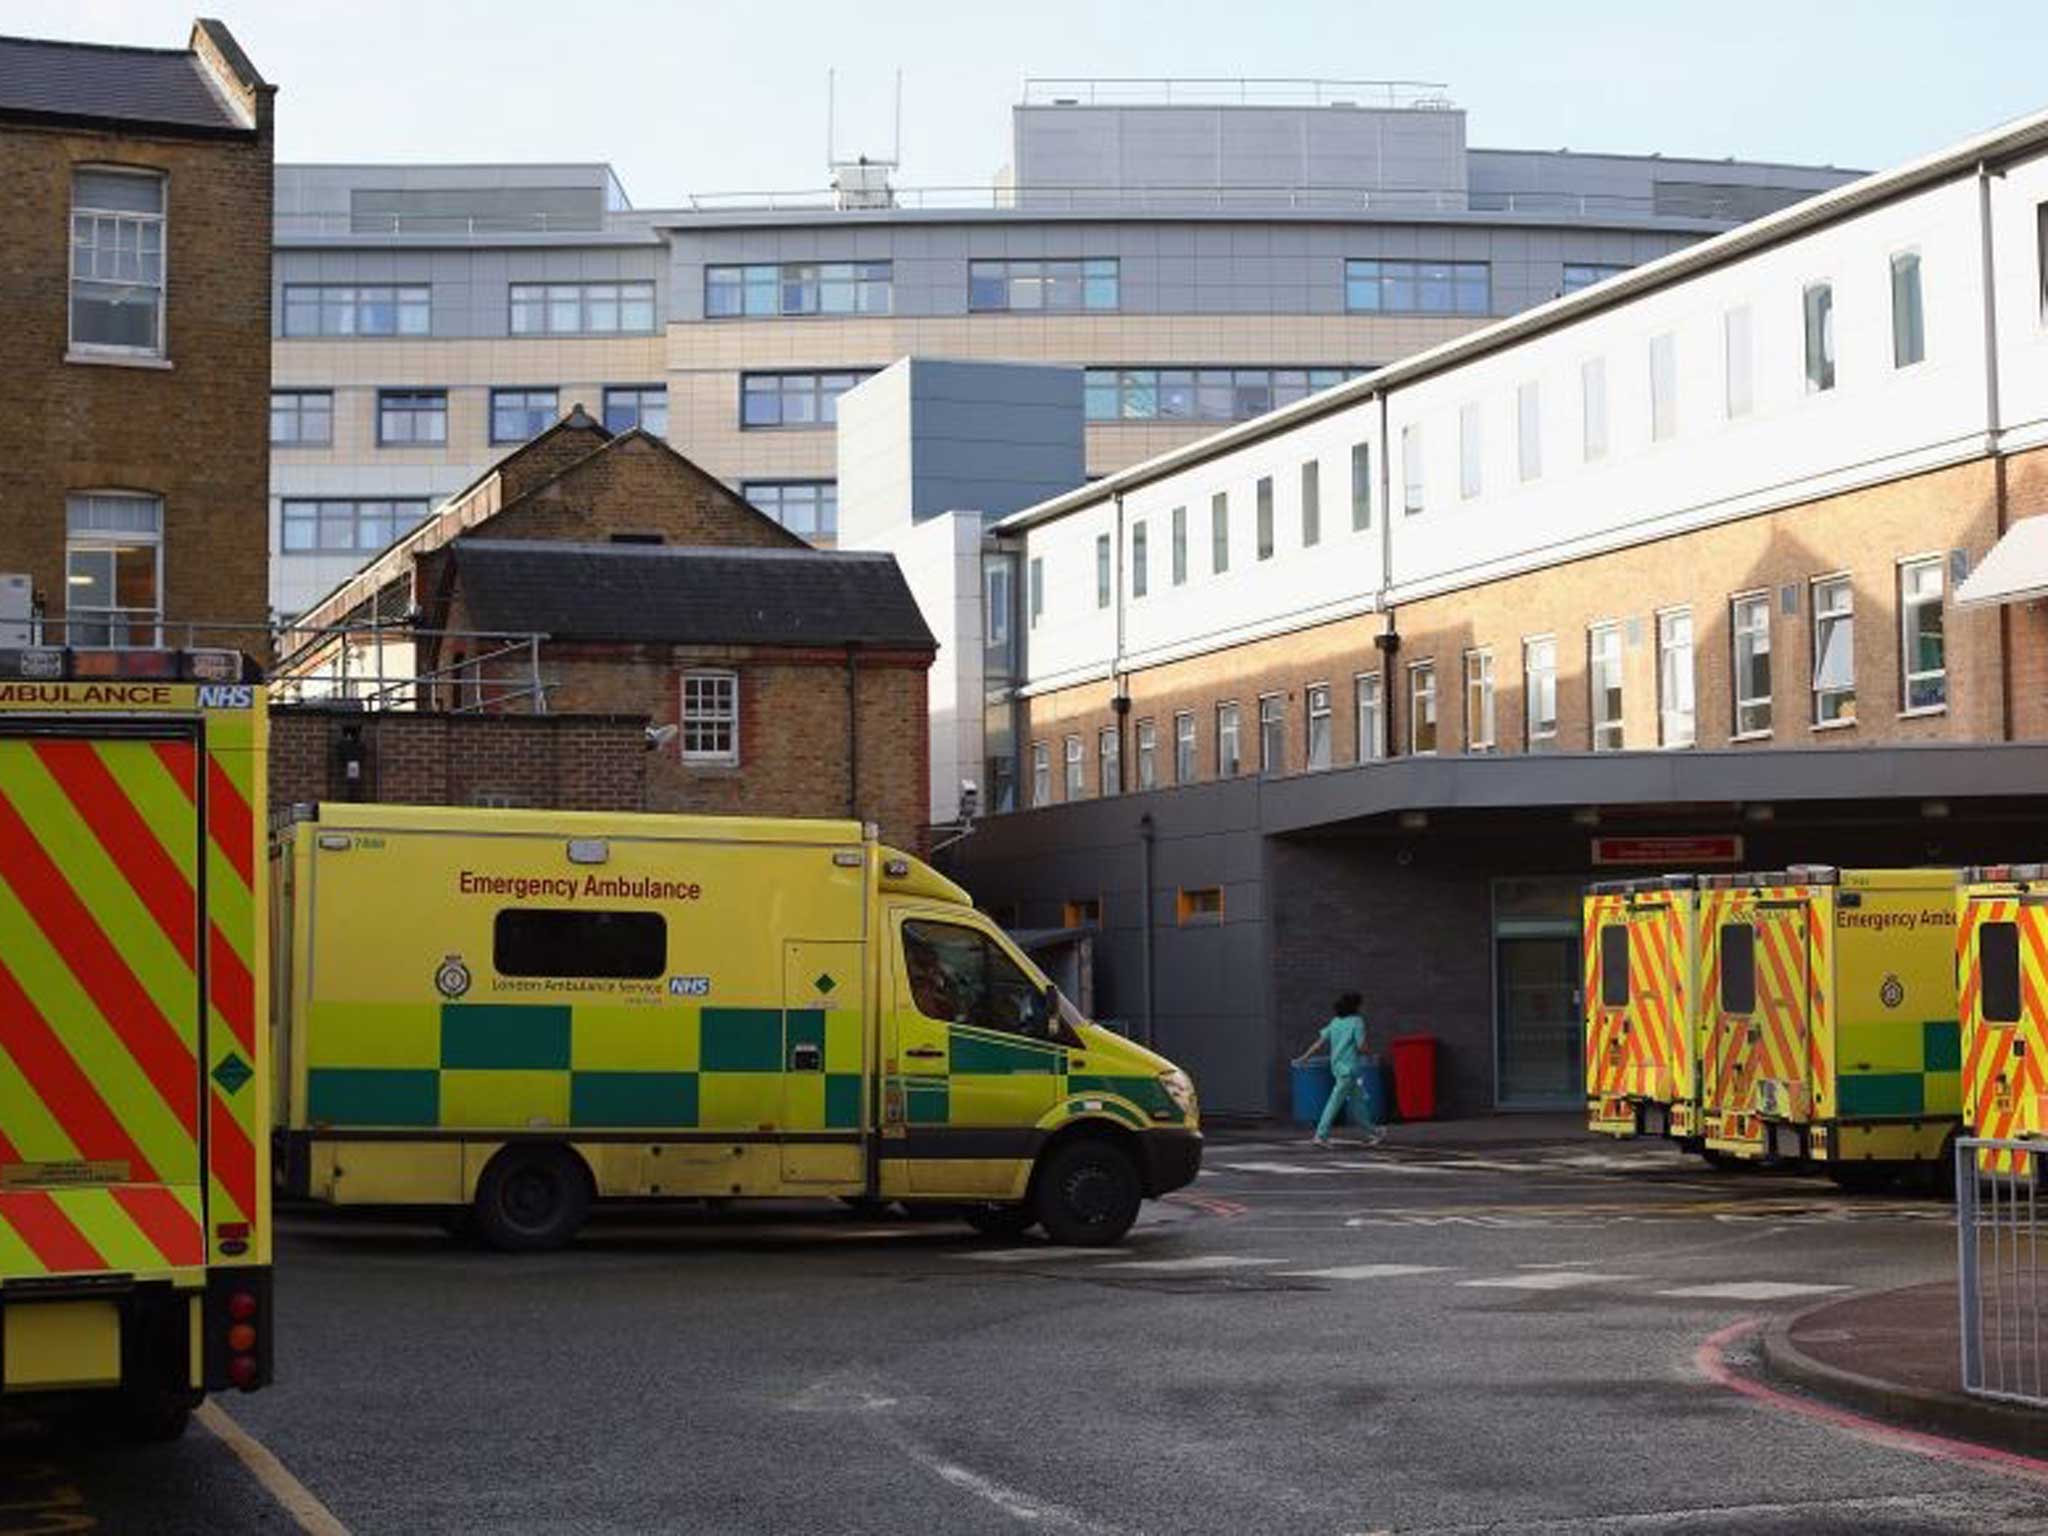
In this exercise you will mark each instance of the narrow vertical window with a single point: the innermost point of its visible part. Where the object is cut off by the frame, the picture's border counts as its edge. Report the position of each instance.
(1311, 503)
(1820, 337)
(1265, 517)
(1372, 736)
(1272, 733)
(1037, 589)
(1593, 408)
(113, 570)
(1529, 429)
(1663, 387)
(1180, 546)
(1041, 773)
(1677, 726)
(995, 583)
(1471, 451)
(1923, 656)
(1109, 760)
(1318, 698)
(1229, 756)
(1361, 486)
(1077, 772)
(1909, 325)
(1539, 692)
(1138, 558)
(1184, 747)
(1479, 712)
(1422, 708)
(1740, 363)
(1102, 570)
(117, 261)
(1749, 625)
(1148, 755)
(1219, 532)
(1603, 678)
(1411, 468)
(1834, 650)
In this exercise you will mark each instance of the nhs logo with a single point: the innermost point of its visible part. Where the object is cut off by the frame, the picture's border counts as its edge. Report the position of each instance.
(226, 695)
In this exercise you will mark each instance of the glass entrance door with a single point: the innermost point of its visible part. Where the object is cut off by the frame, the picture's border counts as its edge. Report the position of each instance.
(1538, 1021)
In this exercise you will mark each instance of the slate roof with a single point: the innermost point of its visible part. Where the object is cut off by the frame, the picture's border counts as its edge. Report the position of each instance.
(671, 595)
(95, 85)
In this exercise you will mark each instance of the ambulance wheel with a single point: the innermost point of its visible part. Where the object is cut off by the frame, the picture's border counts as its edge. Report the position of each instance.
(1087, 1193)
(1001, 1220)
(151, 1418)
(531, 1199)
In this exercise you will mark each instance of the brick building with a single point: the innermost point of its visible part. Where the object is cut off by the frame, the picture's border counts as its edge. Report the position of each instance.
(135, 302)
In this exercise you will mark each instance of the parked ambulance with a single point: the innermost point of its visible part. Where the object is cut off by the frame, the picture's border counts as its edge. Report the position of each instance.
(2002, 971)
(510, 1014)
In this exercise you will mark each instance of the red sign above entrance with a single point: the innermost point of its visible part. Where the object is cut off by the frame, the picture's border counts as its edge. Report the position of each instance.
(1668, 852)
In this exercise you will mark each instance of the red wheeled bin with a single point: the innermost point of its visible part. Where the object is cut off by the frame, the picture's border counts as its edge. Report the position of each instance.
(1414, 1059)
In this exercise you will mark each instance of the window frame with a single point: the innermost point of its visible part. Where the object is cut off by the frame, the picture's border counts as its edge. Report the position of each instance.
(1075, 781)
(1908, 606)
(1319, 752)
(1009, 272)
(297, 411)
(1599, 723)
(1229, 728)
(1481, 724)
(725, 680)
(1140, 576)
(1537, 737)
(823, 401)
(403, 513)
(500, 392)
(1396, 285)
(1219, 533)
(1180, 546)
(1272, 734)
(1311, 503)
(404, 300)
(110, 542)
(1185, 769)
(1421, 690)
(586, 301)
(1670, 733)
(1817, 334)
(640, 392)
(1739, 631)
(810, 276)
(1413, 486)
(412, 405)
(1262, 502)
(1361, 486)
(1372, 736)
(1105, 571)
(1146, 740)
(1109, 761)
(1136, 394)
(1820, 718)
(1908, 260)
(160, 286)
(778, 499)
(1041, 773)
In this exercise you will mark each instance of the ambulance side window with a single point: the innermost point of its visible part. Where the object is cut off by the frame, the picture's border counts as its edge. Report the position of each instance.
(1738, 968)
(958, 975)
(1614, 966)
(1998, 955)
(539, 941)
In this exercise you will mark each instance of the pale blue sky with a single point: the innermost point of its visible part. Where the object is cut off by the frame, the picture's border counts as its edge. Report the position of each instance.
(705, 97)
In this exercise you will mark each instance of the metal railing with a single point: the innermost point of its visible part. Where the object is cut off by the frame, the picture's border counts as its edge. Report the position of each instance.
(1999, 1248)
(1233, 91)
(375, 665)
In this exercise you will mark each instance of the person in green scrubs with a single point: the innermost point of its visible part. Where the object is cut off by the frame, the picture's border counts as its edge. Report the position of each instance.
(1344, 1038)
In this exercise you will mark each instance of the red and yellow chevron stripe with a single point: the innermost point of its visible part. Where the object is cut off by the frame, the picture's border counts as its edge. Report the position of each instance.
(2005, 1085)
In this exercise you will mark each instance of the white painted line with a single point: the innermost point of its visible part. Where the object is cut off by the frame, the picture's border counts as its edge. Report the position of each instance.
(1042, 1254)
(1276, 1168)
(1201, 1261)
(1753, 1290)
(1363, 1272)
(1546, 1280)
(292, 1496)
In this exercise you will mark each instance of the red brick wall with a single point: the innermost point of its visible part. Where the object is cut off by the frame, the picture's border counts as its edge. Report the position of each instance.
(638, 487)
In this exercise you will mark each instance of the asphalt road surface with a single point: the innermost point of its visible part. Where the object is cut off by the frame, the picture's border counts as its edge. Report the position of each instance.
(1408, 1340)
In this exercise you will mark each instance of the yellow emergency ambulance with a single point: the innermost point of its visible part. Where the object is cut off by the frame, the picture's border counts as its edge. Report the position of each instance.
(509, 1014)
(1641, 1002)
(2002, 973)
(134, 1065)
(1830, 1019)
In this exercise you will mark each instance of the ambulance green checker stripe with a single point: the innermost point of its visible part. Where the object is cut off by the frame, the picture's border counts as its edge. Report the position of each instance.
(1936, 1089)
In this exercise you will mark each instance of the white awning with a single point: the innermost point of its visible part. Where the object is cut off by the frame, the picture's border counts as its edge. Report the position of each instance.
(2016, 570)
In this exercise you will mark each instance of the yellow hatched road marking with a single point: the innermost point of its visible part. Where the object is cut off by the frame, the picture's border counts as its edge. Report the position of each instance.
(293, 1496)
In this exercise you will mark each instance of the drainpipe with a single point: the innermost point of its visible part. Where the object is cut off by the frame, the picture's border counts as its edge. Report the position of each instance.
(853, 730)
(1120, 704)
(1994, 426)
(1146, 833)
(1388, 640)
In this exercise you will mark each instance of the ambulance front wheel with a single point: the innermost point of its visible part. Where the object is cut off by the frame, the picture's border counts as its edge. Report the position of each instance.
(531, 1199)
(1087, 1193)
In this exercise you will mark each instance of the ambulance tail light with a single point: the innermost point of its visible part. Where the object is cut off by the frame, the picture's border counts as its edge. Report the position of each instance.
(244, 1369)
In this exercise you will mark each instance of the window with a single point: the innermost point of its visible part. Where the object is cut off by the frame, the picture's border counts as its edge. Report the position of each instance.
(1311, 503)
(959, 975)
(539, 941)
(582, 309)
(1060, 285)
(1834, 650)
(806, 507)
(1148, 755)
(1180, 546)
(2041, 253)
(1614, 990)
(409, 418)
(117, 261)
(1820, 337)
(1417, 287)
(1229, 759)
(1923, 682)
(1082, 912)
(1037, 589)
(1593, 408)
(1041, 774)
(1539, 692)
(1077, 785)
(1138, 558)
(1103, 583)
(1909, 324)
(711, 717)
(1272, 733)
(1740, 361)
(1603, 679)
(1201, 905)
(797, 288)
(1411, 469)
(113, 570)
(770, 401)
(1422, 707)
(1749, 624)
(1372, 731)
(1676, 725)
(1584, 274)
(1200, 394)
(345, 527)
(644, 406)
(1264, 502)
(1471, 451)
(301, 418)
(1219, 532)
(1479, 722)
(343, 309)
(518, 415)
(1184, 747)
(995, 608)
(1998, 956)
(1361, 486)
(1738, 968)
(1663, 387)
(1317, 696)
(1109, 760)
(1529, 429)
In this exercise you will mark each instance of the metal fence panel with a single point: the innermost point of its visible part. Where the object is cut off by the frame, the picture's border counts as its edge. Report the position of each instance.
(1999, 1242)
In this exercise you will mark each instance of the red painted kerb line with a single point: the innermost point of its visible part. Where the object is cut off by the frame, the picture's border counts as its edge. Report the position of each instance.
(1709, 1361)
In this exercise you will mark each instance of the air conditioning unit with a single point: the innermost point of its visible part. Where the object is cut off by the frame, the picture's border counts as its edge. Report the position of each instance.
(17, 612)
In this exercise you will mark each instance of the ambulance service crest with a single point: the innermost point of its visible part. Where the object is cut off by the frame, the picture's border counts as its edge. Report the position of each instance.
(451, 977)
(1892, 992)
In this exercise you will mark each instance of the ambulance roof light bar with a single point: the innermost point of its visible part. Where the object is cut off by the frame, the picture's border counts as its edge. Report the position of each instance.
(61, 664)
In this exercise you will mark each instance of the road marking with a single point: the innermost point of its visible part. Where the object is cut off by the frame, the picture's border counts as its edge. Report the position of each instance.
(1276, 1168)
(1043, 1253)
(1753, 1290)
(1546, 1280)
(1199, 1261)
(1364, 1272)
(292, 1496)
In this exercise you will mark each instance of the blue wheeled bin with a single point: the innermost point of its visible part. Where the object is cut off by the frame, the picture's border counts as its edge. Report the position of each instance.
(1369, 1105)
(1311, 1090)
